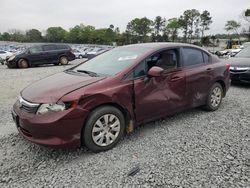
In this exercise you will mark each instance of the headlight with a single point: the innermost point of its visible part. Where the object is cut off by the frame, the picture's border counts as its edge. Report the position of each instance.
(56, 107)
(11, 58)
(47, 108)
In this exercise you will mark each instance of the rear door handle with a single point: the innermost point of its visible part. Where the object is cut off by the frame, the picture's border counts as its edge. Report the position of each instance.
(175, 78)
(209, 69)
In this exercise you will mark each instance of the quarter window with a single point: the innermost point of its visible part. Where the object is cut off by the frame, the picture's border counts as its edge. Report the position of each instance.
(205, 57)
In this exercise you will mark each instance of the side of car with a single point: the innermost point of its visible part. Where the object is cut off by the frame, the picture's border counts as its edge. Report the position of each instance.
(187, 78)
(165, 82)
(44, 54)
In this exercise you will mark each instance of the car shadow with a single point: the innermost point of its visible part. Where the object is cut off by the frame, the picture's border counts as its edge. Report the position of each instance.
(240, 85)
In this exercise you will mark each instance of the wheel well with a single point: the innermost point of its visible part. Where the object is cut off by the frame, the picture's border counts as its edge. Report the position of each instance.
(63, 55)
(124, 111)
(223, 86)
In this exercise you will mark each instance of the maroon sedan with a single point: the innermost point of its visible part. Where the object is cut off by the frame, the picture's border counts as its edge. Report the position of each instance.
(96, 102)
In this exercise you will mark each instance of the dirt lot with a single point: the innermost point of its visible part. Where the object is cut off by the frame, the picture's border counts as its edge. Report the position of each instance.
(191, 149)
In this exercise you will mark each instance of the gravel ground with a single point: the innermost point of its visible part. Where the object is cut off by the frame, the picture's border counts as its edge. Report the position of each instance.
(191, 149)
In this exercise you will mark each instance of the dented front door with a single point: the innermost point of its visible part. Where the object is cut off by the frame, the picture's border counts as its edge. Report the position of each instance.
(159, 96)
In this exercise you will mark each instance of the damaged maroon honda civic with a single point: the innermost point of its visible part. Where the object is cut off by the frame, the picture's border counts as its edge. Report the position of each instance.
(95, 103)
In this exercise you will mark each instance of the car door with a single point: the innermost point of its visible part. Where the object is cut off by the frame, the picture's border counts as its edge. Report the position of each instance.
(199, 75)
(50, 53)
(159, 96)
(36, 55)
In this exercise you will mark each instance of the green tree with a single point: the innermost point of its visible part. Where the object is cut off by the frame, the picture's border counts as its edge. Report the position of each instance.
(141, 27)
(189, 23)
(159, 24)
(75, 34)
(246, 17)
(34, 35)
(6, 36)
(205, 21)
(56, 34)
(233, 26)
(172, 28)
(16, 35)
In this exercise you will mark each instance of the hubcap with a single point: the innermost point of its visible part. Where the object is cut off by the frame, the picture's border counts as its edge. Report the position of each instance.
(216, 96)
(106, 129)
(64, 61)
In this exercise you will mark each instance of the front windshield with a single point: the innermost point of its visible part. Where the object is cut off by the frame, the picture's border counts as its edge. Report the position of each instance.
(112, 62)
(244, 53)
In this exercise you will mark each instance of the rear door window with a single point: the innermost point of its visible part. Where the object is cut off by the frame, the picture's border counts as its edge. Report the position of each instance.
(192, 56)
(49, 47)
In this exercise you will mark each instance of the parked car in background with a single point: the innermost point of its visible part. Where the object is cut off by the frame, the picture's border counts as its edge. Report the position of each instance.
(5, 54)
(87, 50)
(246, 44)
(94, 51)
(42, 54)
(92, 55)
(240, 66)
(94, 103)
(228, 52)
(78, 53)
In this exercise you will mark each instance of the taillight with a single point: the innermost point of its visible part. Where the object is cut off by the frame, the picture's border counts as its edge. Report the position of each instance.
(228, 67)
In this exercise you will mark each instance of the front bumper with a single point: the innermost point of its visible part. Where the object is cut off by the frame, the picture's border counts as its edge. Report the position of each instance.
(59, 129)
(240, 77)
(11, 64)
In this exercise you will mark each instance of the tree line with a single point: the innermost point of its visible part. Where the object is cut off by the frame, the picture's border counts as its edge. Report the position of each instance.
(191, 25)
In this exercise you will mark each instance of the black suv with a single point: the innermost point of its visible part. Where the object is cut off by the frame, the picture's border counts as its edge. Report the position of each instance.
(42, 54)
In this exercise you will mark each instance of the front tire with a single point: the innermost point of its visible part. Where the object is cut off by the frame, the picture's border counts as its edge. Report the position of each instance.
(103, 129)
(214, 98)
(22, 63)
(64, 60)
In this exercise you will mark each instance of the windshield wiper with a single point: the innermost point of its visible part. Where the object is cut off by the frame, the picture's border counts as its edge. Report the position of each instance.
(93, 74)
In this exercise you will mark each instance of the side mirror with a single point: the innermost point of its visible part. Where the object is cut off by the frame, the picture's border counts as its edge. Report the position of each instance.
(155, 71)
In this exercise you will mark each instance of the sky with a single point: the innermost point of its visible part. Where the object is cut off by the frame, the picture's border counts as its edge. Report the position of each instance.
(41, 14)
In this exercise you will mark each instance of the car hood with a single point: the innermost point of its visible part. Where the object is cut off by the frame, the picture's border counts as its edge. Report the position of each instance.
(52, 88)
(242, 62)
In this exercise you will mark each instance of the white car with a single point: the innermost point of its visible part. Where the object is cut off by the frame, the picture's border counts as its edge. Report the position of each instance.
(5, 54)
(94, 51)
(78, 53)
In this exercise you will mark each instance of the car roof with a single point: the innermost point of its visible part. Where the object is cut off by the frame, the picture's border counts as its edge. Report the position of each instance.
(160, 45)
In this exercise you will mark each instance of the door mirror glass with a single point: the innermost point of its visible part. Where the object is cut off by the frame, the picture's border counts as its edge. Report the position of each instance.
(155, 71)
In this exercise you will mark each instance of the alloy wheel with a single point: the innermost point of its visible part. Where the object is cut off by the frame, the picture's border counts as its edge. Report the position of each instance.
(216, 97)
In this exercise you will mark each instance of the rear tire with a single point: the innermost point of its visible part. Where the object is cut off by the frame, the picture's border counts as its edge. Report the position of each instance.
(103, 129)
(214, 98)
(22, 63)
(64, 60)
